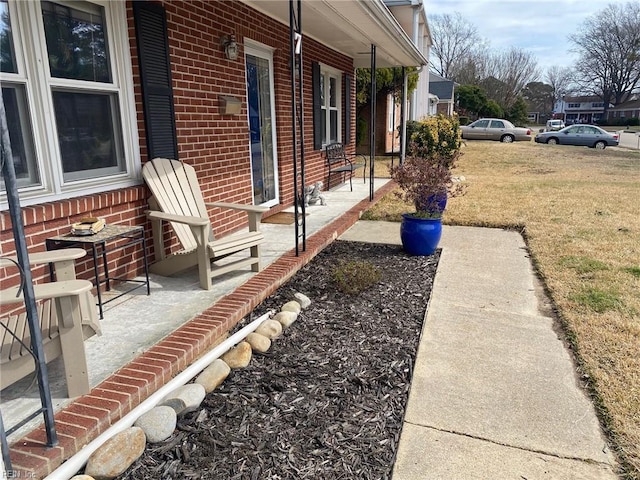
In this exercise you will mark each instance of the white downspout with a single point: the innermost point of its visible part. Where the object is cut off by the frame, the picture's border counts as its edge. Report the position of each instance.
(71, 467)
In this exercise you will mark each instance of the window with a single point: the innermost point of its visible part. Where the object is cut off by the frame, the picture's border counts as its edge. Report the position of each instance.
(573, 105)
(597, 105)
(327, 103)
(330, 88)
(72, 124)
(497, 124)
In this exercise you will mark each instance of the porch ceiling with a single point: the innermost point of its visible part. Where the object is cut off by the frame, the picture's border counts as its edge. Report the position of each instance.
(351, 27)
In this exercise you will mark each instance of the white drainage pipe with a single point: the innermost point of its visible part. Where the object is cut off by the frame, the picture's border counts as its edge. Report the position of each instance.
(71, 467)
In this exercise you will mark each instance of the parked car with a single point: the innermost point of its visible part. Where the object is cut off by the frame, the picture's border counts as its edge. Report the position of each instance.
(582, 135)
(495, 129)
(554, 125)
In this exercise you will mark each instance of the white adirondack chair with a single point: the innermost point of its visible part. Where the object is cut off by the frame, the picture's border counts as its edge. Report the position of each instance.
(177, 199)
(67, 316)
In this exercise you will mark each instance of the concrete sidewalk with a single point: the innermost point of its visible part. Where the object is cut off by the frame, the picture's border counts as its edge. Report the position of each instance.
(494, 393)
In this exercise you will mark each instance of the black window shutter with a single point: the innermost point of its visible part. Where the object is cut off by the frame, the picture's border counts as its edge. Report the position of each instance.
(347, 109)
(317, 107)
(155, 74)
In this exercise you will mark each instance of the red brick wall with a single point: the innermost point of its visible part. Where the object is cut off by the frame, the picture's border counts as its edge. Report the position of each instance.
(216, 145)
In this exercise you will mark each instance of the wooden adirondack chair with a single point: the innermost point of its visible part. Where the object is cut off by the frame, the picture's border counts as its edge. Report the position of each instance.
(67, 316)
(177, 199)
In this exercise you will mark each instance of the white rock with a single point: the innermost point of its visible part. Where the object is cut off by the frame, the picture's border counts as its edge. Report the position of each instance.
(158, 423)
(117, 454)
(239, 356)
(270, 329)
(259, 343)
(191, 394)
(285, 318)
(291, 306)
(302, 299)
(212, 376)
(82, 477)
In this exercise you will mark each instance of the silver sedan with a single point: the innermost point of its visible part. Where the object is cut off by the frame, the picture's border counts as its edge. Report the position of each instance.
(581, 135)
(495, 129)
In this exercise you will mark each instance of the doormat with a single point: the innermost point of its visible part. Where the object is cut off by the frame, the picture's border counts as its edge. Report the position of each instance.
(281, 218)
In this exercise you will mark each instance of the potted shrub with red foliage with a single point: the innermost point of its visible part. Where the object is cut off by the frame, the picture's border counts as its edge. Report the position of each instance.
(425, 179)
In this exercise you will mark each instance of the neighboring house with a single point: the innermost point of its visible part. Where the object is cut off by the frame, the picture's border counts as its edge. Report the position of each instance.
(443, 95)
(93, 89)
(580, 109)
(620, 113)
(411, 16)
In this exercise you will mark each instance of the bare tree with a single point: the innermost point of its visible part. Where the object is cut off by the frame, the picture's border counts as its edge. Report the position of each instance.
(473, 68)
(509, 72)
(454, 39)
(561, 80)
(608, 45)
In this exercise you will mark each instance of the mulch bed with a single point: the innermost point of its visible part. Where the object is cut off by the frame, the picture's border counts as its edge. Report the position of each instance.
(328, 399)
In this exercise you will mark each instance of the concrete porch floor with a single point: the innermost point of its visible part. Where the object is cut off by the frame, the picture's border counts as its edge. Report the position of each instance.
(146, 340)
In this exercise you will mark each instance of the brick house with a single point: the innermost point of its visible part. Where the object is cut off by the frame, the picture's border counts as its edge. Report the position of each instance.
(128, 81)
(621, 113)
(93, 89)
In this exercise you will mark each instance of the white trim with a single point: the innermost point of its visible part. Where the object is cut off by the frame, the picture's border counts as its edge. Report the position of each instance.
(260, 50)
(30, 46)
(331, 72)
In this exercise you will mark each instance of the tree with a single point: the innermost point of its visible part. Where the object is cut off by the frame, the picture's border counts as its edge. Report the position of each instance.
(561, 81)
(608, 44)
(492, 109)
(540, 96)
(471, 98)
(454, 40)
(511, 72)
(473, 68)
(517, 114)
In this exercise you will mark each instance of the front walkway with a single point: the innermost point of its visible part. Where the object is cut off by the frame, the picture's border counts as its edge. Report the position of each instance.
(147, 340)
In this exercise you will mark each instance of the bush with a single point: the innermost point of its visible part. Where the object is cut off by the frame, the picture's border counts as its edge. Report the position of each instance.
(356, 276)
(620, 122)
(437, 135)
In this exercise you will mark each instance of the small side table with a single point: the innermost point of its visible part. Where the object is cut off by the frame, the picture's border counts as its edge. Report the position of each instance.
(130, 235)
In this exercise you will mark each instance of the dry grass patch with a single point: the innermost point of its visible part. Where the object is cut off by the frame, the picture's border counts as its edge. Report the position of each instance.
(579, 210)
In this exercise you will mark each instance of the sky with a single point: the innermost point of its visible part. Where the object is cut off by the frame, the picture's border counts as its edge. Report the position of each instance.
(541, 27)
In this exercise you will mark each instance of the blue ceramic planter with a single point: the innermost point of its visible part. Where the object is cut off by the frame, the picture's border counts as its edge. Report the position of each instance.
(420, 236)
(435, 203)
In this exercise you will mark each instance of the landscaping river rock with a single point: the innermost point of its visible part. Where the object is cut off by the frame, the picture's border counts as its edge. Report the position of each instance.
(327, 399)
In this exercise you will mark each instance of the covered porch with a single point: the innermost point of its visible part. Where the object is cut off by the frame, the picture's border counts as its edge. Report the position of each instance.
(149, 339)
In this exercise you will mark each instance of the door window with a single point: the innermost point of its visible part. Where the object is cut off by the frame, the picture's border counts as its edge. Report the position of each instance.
(260, 103)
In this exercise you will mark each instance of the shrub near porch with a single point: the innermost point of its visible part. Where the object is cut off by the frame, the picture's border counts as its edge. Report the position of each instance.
(578, 210)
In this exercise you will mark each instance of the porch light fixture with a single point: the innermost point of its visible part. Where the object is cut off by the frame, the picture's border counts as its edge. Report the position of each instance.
(230, 46)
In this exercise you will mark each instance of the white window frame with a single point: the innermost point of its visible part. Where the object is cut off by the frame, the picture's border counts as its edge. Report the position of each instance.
(327, 72)
(32, 63)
